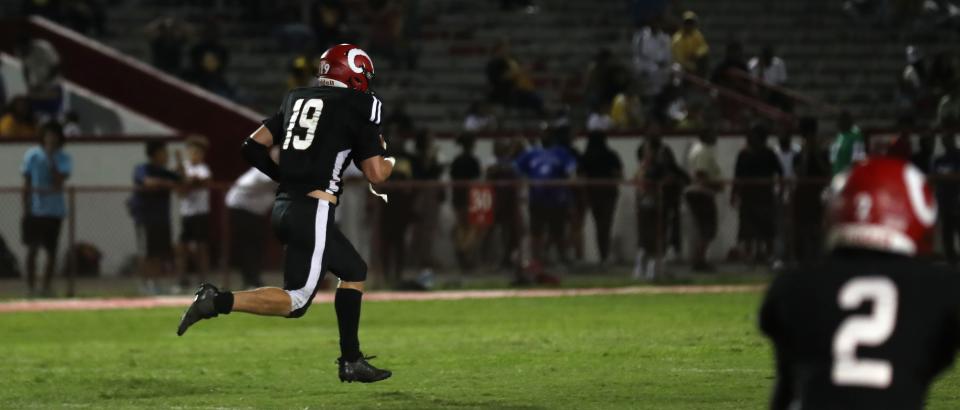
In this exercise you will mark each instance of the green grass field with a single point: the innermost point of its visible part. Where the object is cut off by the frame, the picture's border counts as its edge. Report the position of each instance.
(636, 351)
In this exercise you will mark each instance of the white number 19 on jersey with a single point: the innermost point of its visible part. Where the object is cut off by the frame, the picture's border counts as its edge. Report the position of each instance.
(308, 121)
(871, 329)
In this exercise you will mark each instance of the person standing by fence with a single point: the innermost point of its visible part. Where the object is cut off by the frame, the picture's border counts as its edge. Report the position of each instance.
(150, 208)
(701, 196)
(600, 165)
(45, 169)
(193, 248)
(249, 200)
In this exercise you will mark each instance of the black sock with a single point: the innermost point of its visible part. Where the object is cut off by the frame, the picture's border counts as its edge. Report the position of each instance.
(347, 305)
(223, 302)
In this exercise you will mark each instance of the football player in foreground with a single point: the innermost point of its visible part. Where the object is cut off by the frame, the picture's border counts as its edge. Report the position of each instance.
(870, 326)
(319, 131)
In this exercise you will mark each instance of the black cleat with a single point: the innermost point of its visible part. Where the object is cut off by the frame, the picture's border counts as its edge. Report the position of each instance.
(201, 308)
(361, 371)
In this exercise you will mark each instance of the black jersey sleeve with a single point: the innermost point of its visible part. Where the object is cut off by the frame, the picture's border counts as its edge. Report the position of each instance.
(274, 124)
(367, 109)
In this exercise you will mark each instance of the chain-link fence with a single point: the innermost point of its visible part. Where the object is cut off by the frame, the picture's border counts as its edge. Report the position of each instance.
(506, 231)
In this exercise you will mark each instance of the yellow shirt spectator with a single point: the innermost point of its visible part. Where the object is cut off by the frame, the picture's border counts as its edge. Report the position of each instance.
(11, 128)
(689, 46)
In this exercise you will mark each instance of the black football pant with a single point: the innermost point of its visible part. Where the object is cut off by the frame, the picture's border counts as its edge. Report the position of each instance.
(314, 245)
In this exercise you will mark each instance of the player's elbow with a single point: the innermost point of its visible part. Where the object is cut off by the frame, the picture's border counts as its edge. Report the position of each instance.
(377, 175)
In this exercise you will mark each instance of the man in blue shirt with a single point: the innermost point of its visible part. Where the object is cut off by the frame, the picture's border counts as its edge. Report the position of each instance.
(150, 208)
(45, 168)
(549, 205)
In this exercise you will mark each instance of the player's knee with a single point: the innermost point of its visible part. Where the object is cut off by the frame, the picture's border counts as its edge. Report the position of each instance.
(299, 303)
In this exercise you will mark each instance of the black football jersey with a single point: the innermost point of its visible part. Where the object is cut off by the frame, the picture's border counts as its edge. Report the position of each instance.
(861, 330)
(319, 131)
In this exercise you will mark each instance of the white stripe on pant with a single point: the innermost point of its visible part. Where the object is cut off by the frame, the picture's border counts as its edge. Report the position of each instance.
(300, 297)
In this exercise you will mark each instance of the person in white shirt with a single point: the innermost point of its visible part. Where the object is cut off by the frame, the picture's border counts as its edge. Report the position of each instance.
(652, 58)
(249, 200)
(770, 69)
(701, 196)
(194, 210)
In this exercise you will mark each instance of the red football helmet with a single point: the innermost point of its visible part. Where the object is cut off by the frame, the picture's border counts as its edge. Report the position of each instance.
(883, 204)
(346, 65)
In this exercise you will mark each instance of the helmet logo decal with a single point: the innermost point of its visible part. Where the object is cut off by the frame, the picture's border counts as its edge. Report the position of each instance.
(352, 59)
(926, 212)
(324, 68)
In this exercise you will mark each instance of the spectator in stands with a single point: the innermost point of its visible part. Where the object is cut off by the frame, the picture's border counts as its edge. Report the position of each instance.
(208, 62)
(605, 78)
(249, 200)
(41, 70)
(300, 72)
(150, 208)
(658, 178)
(396, 214)
(167, 37)
(726, 73)
(479, 118)
(652, 59)
(599, 119)
(600, 166)
(770, 69)
(849, 146)
(690, 49)
(701, 196)
(19, 121)
(426, 167)
(329, 22)
(949, 108)
(627, 110)
(465, 167)
(914, 94)
(510, 84)
(923, 158)
(193, 248)
(753, 193)
(506, 207)
(812, 169)
(45, 169)
(549, 206)
(947, 167)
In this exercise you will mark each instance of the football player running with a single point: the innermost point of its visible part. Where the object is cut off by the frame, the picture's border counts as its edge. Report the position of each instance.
(319, 131)
(870, 326)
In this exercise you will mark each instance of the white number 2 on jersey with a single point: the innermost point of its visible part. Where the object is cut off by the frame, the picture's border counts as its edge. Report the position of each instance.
(864, 330)
(312, 109)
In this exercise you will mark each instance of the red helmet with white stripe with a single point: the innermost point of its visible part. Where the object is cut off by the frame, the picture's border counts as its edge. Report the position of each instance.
(346, 65)
(882, 204)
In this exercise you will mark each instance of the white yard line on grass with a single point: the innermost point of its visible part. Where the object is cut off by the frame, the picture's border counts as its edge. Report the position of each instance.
(179, 301)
